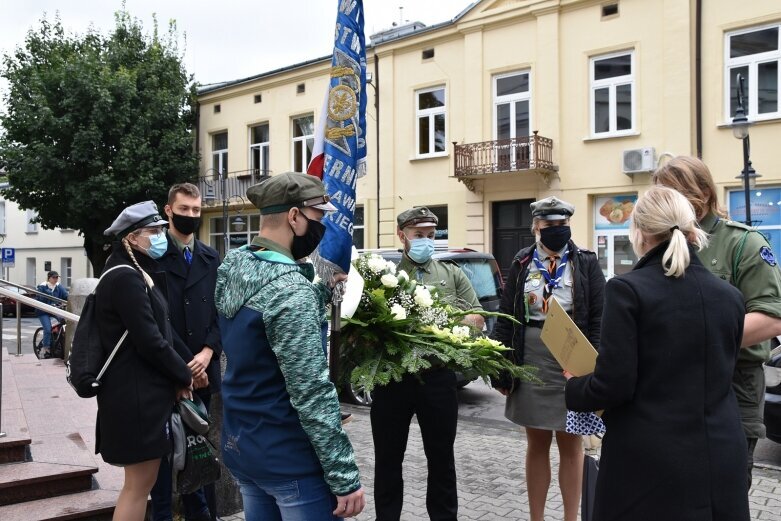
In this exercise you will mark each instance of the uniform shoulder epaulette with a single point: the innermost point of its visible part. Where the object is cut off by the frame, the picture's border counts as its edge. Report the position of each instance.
(448, 261)
(586, 250)
(739, 225)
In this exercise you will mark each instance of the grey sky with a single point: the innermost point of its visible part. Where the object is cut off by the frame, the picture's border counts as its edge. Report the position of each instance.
(226, 39)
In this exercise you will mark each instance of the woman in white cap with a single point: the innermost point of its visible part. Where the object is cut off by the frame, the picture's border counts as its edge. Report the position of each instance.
(146, 377)
(553, 267)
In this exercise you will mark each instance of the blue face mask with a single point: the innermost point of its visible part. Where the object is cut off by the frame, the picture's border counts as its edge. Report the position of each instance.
(421, 250)
(158, 245)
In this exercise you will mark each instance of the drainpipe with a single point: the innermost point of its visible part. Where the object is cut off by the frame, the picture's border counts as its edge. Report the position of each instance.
(698, 75)
(377, 134)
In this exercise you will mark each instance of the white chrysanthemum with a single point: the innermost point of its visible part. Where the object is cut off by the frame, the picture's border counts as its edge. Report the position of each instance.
(389, 280)
(390, 266)
(461, 331)
(423, 297)
(376, 264)
(398, 312)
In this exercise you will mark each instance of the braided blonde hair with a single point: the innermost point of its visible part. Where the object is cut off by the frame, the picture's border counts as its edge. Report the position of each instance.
(129, 249)
(667, 215)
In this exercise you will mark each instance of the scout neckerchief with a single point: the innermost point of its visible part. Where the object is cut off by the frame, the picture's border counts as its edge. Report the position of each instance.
(551, 279)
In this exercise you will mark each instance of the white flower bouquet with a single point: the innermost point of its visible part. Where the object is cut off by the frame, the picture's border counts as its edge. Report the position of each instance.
(402, 327)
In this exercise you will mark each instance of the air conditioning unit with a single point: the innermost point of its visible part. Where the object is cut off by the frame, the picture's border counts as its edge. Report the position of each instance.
(637, 160)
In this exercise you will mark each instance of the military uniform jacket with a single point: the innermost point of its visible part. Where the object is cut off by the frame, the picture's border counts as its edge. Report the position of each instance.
(448, 279)
(742, 256)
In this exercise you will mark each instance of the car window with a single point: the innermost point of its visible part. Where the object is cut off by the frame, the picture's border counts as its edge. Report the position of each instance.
(484, 276)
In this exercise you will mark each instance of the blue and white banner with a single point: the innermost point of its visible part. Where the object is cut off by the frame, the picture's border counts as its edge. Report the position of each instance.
(339, 155)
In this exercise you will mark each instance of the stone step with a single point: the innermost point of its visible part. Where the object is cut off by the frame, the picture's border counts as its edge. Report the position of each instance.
(92, 505)
(14, 449)
(20, 482)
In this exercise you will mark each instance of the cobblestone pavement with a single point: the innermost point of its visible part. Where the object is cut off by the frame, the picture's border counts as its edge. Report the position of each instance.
(491, 486)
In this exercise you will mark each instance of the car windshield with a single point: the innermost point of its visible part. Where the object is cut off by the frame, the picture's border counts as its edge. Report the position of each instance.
(483, 274)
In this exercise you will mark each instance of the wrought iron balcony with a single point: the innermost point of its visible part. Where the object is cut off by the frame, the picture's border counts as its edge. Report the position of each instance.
(214, 189)
(520, 154)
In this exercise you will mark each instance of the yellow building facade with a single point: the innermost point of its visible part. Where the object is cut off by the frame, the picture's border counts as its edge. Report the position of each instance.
(516, 100)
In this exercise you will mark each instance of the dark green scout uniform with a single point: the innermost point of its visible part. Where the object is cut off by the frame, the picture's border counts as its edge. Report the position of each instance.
(450, 282)
(742, 256)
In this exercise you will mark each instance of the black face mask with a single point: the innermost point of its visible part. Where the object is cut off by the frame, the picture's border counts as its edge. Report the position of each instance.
(305, 244)
(555, 237)
(184, 224)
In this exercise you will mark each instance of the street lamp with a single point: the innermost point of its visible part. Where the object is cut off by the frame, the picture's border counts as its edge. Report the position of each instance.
(740, 124)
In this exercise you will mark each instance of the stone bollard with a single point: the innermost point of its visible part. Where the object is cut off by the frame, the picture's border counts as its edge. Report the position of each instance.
(78, 293)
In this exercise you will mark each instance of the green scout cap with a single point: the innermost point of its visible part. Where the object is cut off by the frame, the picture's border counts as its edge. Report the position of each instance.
(416, 218)
(552, 209)
(282, 192)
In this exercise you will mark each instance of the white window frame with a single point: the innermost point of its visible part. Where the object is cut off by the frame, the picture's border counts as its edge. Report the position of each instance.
(431, 115)
(511, 98)
(611, 84)
(220, 155)
(610, 248)
(2, 217)
(29, 216)
(751, 62)
(263, 168)
(301, 141)
(66, 271)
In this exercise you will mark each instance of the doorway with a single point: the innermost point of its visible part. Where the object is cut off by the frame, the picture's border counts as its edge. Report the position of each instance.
(512, 222)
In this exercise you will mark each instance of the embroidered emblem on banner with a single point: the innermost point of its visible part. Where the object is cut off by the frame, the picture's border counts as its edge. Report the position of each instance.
(342, 103)
(767, 255)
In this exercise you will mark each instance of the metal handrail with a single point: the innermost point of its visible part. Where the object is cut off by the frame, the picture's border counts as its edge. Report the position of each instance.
(31, 290)
(52, 310)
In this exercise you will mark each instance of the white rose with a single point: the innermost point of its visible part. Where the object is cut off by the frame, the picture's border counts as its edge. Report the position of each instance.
(390, 266)
(389, 280)
(461, 331)
(423, 297)
(376, 264)
(402, 275)
(398, 312)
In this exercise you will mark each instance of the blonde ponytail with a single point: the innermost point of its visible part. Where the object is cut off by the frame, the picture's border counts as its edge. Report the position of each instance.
(667, 215)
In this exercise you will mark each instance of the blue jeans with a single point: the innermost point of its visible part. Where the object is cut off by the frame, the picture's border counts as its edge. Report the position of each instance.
(46, 323)
(305, 499)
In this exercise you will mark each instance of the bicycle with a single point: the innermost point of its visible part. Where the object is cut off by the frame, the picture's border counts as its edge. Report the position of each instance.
(57, 348)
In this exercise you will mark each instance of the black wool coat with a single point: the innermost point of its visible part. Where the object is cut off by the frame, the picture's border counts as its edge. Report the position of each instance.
(190, 292)
(674, 447)
(588, 285)
(138, 390)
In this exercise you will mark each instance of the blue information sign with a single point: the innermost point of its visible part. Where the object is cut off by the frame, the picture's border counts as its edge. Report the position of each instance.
(9, 257)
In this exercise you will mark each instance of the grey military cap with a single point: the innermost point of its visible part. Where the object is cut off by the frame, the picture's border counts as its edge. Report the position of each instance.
(133, 217)
(417, 218)
(552, 208)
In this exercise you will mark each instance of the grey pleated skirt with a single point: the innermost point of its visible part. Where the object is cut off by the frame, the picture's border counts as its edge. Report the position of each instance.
(539, 405)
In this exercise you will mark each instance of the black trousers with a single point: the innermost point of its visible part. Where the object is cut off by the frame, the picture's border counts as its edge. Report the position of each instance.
(435, 402)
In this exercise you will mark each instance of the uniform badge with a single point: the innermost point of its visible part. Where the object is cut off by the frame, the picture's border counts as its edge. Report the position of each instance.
(532, 298)
(766, 254)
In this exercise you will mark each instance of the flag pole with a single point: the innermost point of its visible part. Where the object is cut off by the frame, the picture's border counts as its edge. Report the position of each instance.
(336, 336)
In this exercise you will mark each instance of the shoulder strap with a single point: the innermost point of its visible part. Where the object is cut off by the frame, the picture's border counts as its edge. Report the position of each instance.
(115, 267)
(121, 339)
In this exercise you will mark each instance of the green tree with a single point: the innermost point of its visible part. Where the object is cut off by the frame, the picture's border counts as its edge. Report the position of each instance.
(94, 123)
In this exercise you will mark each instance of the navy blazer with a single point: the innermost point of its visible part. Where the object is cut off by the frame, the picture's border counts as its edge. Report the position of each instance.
(190, 292)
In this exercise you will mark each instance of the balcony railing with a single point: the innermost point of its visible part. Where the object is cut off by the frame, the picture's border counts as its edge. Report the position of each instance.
(527, 153)
(236, 184)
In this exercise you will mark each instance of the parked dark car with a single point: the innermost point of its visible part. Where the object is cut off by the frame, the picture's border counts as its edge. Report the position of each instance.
(483, 272)
(773, 395)
(9, 304)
